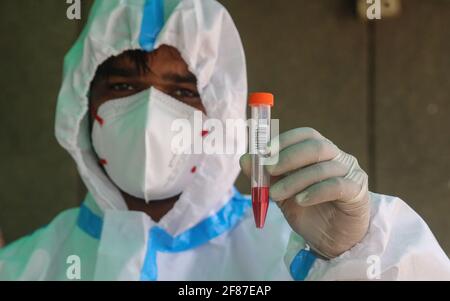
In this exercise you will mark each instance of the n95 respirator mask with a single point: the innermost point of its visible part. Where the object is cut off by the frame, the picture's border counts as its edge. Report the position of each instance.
(133, 136)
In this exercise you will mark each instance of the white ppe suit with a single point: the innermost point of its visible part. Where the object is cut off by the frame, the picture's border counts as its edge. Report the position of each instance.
(210, 232)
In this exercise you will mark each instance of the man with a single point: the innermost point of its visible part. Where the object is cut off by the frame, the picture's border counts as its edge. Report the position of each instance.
(153, 214)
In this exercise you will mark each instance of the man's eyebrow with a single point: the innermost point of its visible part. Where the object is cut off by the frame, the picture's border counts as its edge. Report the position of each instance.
(180, 78)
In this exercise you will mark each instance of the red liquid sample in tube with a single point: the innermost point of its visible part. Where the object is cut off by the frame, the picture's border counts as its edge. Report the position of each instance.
(260, 134)
(260, 204)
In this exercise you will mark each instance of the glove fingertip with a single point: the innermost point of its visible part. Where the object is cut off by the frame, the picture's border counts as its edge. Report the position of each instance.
(302, 198)
(245, 163)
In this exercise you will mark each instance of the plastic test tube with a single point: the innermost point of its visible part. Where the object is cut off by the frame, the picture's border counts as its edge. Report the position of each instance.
(260, 104)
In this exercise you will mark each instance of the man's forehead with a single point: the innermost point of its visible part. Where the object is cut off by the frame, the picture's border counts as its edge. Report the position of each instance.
(142, 61)
(130, 56)
(128, 63)
(165, 62)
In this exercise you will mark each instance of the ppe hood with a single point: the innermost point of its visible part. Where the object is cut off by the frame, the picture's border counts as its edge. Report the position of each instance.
(205, 35)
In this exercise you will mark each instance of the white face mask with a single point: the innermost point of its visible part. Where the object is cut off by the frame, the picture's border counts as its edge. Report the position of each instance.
(133, 143)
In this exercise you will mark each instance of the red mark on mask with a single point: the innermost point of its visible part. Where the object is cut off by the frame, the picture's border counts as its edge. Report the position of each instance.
(102, 161)
(204, 133)
(194, 169)
(99, 119)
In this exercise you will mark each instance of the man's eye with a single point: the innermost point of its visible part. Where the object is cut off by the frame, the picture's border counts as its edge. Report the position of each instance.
(121, 87)
(181, 93)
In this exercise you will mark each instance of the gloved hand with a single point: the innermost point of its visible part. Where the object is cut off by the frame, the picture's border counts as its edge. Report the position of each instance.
(322, 191)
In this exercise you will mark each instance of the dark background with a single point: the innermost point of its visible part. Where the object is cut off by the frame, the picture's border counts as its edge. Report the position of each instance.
(380, 90)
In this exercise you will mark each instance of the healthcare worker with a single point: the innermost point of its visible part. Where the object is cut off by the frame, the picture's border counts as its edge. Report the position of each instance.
(151, 214)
